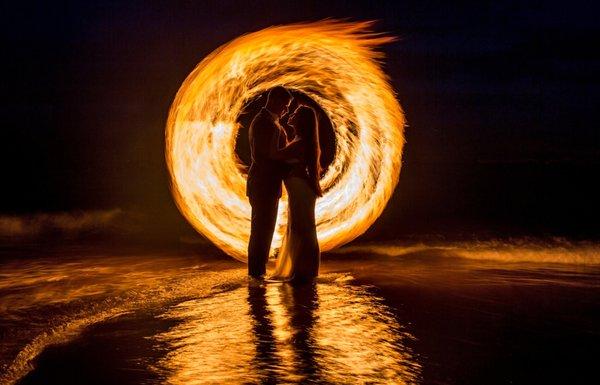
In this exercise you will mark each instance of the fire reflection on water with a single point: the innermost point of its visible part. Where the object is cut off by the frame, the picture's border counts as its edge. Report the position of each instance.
(329, 332)
(206, 324)
(224, 328)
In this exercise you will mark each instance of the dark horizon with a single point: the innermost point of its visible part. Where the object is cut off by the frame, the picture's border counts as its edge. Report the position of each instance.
(502, 138)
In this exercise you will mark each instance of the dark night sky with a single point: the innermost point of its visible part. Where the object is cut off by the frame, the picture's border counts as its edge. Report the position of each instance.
(503, 136)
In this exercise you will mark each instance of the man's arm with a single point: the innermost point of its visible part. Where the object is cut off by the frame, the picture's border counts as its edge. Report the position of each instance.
(262, 130)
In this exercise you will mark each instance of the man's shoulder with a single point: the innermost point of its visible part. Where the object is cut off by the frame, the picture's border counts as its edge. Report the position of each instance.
(263, 114)
(262, 117)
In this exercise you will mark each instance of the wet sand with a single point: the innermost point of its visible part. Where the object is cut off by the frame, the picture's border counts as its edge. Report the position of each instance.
(385, 314)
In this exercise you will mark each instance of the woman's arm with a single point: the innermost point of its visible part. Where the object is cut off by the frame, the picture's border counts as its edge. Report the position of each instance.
(314, 176)
(290, 151)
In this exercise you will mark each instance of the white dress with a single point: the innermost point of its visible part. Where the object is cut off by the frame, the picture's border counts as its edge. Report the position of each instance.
(299, 256)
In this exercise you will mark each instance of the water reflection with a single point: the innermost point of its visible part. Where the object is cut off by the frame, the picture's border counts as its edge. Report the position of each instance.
(265, 358)
(277, 333)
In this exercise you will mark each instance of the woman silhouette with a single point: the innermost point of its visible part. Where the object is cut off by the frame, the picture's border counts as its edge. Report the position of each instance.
(299, 255)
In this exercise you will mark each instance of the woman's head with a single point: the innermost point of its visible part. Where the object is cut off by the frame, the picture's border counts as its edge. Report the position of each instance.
(303, 119)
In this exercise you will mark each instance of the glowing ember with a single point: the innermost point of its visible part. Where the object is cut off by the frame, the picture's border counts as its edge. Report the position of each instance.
(335, 64)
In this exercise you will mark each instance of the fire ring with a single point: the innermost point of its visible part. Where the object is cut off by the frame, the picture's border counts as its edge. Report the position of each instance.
(335, 64)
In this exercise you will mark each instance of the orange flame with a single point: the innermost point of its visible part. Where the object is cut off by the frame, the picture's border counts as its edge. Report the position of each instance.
(334, 63)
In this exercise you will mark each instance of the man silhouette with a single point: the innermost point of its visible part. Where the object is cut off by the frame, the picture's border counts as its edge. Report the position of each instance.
(265, 177)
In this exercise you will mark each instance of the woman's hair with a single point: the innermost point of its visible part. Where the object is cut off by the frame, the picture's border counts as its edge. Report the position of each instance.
(307, 126)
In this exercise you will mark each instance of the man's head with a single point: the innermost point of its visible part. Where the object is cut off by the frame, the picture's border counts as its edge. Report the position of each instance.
(279, 100)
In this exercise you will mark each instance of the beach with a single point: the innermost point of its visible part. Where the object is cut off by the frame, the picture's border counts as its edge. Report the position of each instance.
(418, 313)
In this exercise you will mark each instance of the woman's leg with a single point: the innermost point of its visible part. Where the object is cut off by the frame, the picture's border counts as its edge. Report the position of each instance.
(303, 229)
(284, 266)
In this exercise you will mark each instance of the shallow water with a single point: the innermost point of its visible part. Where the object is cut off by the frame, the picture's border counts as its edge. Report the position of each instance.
(383, 313)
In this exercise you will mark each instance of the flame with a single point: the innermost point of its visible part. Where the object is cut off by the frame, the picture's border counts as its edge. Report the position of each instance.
(334, 63)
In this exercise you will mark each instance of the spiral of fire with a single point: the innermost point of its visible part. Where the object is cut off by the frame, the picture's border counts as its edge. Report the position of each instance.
(337, 65)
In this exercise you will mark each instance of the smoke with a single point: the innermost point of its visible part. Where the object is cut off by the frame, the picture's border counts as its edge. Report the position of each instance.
(69, 224)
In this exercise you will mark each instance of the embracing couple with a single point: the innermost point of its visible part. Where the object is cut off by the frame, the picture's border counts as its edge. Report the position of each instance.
(290, 155)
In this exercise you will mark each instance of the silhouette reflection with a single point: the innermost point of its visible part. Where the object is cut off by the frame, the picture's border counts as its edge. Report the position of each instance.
(301, 303)
(327, 332)
(265, 359)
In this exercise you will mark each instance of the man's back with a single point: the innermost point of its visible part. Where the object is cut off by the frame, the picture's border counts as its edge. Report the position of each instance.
(265, 174)
(260, 134)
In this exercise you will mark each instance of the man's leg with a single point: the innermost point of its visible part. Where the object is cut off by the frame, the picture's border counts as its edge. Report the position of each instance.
(264, 216)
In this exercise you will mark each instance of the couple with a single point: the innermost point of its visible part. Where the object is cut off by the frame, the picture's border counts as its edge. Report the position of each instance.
(291, 157)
